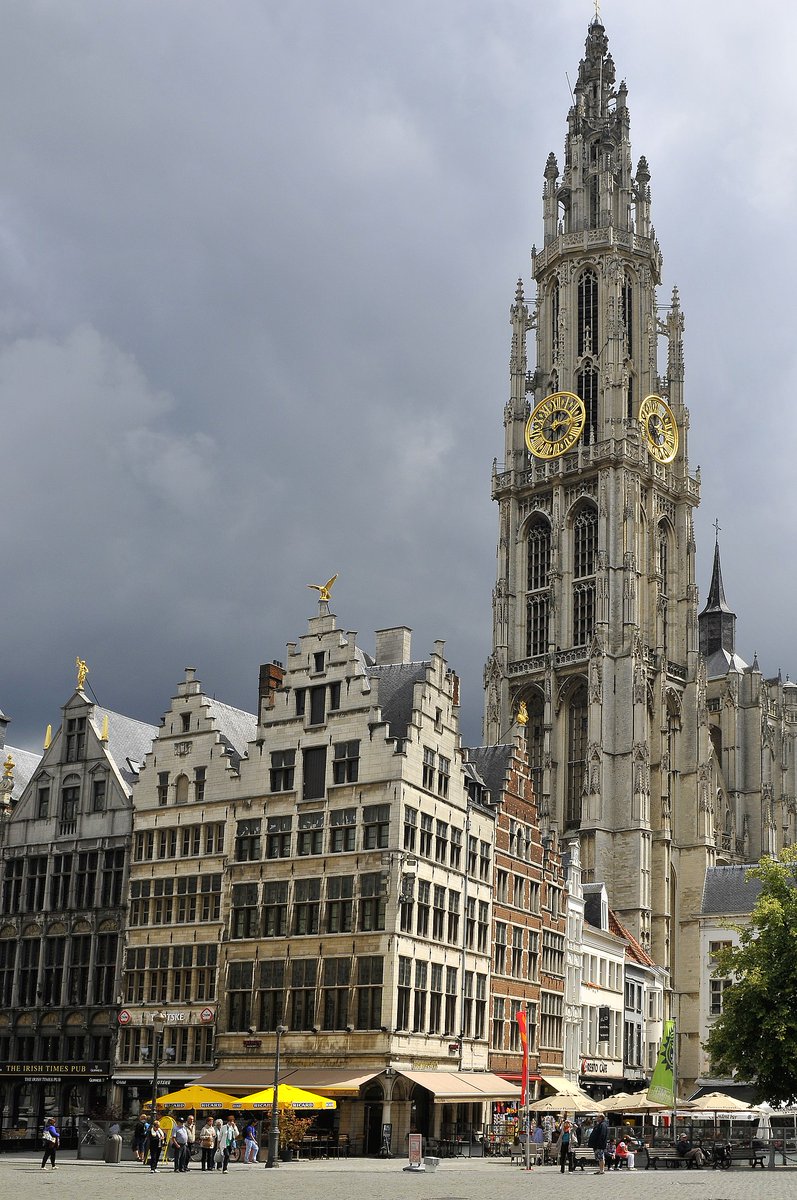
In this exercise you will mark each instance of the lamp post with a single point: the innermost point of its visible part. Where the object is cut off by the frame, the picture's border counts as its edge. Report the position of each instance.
(158, 1026)
(274, 1128)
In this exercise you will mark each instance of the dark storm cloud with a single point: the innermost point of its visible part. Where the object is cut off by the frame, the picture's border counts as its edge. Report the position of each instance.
(257, 261)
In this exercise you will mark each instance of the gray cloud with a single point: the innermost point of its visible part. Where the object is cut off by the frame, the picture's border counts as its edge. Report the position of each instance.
(257, 261)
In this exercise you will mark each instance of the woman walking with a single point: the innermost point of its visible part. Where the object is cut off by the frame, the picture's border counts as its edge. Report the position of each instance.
(207, 1144)
(250, 1142)
(155, 1139)
(52, 1140)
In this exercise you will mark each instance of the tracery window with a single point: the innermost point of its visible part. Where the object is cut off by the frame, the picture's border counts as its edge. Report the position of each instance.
(576, 754)
(535, 739)
(555, 347)
(585, 545)
(539, 562)
(588, 340)
(587, 389)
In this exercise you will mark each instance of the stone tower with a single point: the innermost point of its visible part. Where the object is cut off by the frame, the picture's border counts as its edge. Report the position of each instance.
(595, 605)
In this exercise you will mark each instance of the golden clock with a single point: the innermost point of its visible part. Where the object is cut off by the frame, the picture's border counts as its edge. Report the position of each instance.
(555, 425)
(660, 428)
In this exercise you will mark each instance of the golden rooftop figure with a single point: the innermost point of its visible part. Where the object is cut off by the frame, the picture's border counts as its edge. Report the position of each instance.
(324, 589)
(8, 767)
(82, 672)
(522, 713)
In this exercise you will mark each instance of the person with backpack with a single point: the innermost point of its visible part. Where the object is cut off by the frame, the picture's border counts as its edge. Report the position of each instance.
(140, 1136)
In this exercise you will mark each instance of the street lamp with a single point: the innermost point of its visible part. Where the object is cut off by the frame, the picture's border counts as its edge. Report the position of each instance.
(274, 1128)
(158, 1026)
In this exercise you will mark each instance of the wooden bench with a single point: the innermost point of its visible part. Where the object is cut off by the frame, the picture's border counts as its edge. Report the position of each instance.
(725, 1158)
(667, 1155)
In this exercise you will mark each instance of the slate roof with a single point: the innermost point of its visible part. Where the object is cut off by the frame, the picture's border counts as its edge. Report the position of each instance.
(25, 763)
(721, 662)
(396, 684)
(492, 764)
(129, 741)
(237, 727)
(726, 891)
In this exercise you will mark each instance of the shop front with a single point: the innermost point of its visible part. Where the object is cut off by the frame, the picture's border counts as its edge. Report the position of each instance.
(33, 1091)
(600, 1077)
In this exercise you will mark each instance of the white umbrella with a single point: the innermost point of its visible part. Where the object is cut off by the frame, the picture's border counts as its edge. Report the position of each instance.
(565, 1103)
(764, 1129)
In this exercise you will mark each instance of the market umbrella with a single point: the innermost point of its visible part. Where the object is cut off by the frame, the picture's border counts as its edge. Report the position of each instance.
(764, 1128)
(566, 1102)
(195, 1096)
(287, 1097)
(716, 1102)
(630, 1102)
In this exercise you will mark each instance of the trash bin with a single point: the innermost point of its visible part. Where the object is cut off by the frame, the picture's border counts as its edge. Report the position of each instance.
(113, 1148)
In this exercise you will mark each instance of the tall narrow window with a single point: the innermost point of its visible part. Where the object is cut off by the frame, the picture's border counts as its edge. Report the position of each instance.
(626, 306)
(587, 388)
(663, 568)
(539, 564)
(588, 340)
(555, 347)
(535, 739)
(576, 755)
(585, 545)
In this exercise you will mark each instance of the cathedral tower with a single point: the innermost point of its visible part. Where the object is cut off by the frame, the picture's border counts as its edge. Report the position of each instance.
(595, 604)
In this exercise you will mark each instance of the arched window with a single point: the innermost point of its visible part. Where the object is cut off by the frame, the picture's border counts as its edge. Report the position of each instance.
(587, 389)
(70, 798)
(662, 566)
(588, 340)
(585, 548)
(181, 789)
(535, 740)
(555, 348)
(576, 755)
(539, 564)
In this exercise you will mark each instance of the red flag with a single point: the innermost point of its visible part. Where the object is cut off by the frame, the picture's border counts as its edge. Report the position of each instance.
(524, 1041)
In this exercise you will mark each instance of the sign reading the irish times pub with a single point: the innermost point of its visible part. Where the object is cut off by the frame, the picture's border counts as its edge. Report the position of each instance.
(54, 1072)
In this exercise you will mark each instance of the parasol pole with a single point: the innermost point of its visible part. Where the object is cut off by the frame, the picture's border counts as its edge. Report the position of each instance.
(527, 1056)
(674, 1075)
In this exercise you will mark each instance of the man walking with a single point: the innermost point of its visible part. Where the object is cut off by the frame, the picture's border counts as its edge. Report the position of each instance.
(180, 1145)
(597, 1142)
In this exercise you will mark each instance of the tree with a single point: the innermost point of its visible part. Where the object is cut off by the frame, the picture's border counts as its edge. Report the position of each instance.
(755, 1037)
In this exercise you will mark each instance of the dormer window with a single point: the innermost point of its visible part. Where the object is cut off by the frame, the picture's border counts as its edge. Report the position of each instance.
(75, 738)
(185, 722)
(318, 661)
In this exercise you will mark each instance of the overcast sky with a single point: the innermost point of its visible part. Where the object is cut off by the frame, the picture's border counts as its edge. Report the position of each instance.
(256, 263)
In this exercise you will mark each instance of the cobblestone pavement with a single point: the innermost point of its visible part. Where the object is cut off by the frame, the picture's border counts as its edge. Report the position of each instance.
(366, 1179)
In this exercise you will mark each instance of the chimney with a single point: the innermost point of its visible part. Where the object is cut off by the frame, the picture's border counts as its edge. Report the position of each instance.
(393, 645)
(271, 677)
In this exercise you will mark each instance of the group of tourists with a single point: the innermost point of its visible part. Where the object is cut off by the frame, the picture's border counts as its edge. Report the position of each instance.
(214, 1142)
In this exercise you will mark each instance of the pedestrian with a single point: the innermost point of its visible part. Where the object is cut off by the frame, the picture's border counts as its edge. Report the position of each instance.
(52, 1140)
(597, 1142)
(566, 1146)
(218, 1157)
(250, 1142)
(140, 1136)
(538, 1138)
(228, 1136)
(190, 1128)
(180, 1145)
(207, 1143)
(155, 1139)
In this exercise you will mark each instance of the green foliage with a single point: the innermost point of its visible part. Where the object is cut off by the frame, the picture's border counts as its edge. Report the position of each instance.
(755, 1038)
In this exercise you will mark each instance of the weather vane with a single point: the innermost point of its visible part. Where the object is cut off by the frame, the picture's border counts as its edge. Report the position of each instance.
(324, 589)
(717, 528)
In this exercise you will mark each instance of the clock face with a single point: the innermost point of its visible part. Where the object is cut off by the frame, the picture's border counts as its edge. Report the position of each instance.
(555, 425)
(660, 428)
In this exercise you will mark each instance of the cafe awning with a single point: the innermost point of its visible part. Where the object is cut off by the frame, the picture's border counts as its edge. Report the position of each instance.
(241, 1081)
(564, 1087)
(463, 1087)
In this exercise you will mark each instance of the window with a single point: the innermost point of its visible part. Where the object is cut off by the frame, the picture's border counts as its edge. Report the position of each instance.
(28, 971)
(450, 1017)
(410, 828)
(185, 722)
(282, 770)
(314, 776)
(342, 831)
(37, 877)
(407, 903)
(104, 973)
(439, 914)
(239, 990)
(587, 388)
(553, 954)
(214, 838)
(576, 755)
(470, 922)
(627, 311)
(419, 999)
(456, 849)
(585, 544)
(369, 992)
(278, 837)
(514, 1028)
(534, 956)
(428, 768)
(75, 738)
(307, 906)
(502, 886)
(299, 695)
(443, 775)
(483, 926)
(376, 826)
(70, 800)
(113, 871)
(481, 1006)
(538, 545)
(334, 697)
(588, 336)
(275, 908)
(199, 783)
(373, 901)
(426, 836)
(43, 801)
(317, 705)
(441, 842)
(318, 661)
(340, 904)
(310, 839)
(436, 999)
(346, 763)
(453, 918)
(473, 848)
(191, 841)
(335, 993)
(78, 974)
(167, 842)
(243, 922)
(272, 993)
(98, 795)
(205, 973)
(54, 955)
(403, 993)
(500, 947)
(424, 896)
(60, 882)
(485, 856)
(303, 983)
(163, 788)
(210, 888)
(551, 1018)
(517, 952)
(717, 990)
(247, 840)
(181, 789)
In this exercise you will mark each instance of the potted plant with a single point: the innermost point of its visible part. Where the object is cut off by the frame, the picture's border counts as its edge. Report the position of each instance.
(292, 1130)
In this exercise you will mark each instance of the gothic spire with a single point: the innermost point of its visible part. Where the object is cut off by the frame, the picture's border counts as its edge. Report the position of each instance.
(717, 621)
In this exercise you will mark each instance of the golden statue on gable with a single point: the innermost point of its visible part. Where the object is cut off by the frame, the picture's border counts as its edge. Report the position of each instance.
(82, 672)
(324, 589)
(522, 713)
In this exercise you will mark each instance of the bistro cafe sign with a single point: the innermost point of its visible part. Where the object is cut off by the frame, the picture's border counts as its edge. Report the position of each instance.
(597, 1068)
(55, 1072)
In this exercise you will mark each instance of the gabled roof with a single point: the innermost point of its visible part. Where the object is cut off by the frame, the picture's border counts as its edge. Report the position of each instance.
(492, 763)
(635, 952)
(396, 683)
(129, 740)
(237, 727)
(727, 891)
(25, 763)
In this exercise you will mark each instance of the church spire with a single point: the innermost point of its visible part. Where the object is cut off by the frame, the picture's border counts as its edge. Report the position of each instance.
(717, 621)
